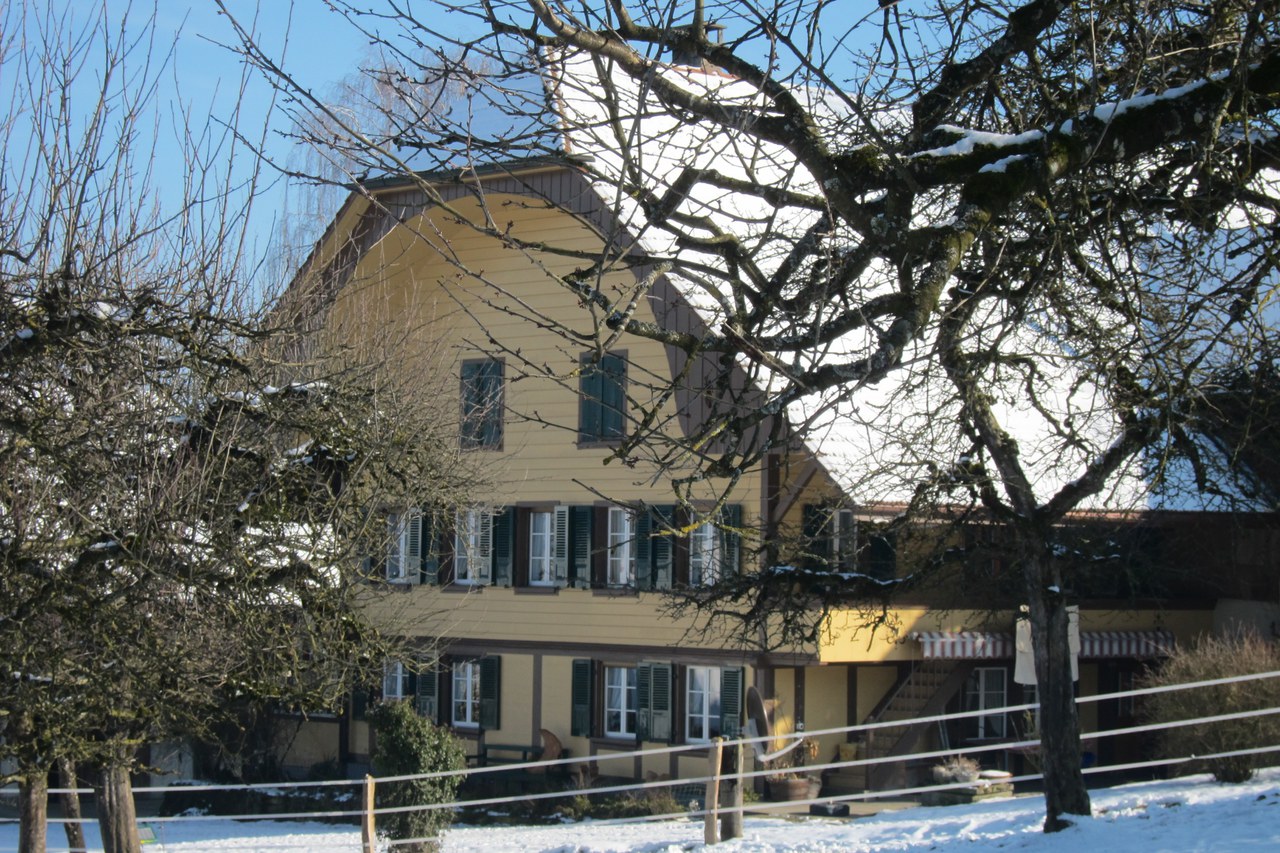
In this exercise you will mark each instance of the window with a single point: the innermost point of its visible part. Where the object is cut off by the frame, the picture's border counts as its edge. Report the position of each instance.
(1124, 683)
(986, 688)
(395, 681)
(541, 540)
(466, 693)
(835, 543)
(482, 404)
(640, 701)
(706, 557)
(622, 552)
(473, 693)
(404, 546)
(844, 539)
(473, 540)
(620, 701)
(703, 703)
(602, 399)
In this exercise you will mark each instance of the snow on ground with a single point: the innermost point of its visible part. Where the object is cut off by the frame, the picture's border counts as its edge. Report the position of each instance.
(1190, 814)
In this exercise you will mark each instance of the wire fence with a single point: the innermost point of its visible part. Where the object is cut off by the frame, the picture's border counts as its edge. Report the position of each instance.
(363, 791)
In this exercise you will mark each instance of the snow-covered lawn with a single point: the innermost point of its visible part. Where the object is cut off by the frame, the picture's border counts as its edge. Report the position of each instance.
(1191, 814)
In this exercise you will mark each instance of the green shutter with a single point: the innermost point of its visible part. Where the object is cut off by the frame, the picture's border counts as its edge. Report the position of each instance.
(560, 546)
(580, 697)
(644, 700)
(491, 399)
(482, 413)
(504, 546)
(660, 718)
(489, 676)
(663, 548)
(643, 550)
(613, 396)
(590, 391)
(731, 702)
(471, 426)
(359, 703)
(731, 539)
(427, 697)
(580, 545)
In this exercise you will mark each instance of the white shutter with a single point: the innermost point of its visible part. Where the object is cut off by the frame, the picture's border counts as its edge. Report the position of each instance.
(484, 546)
(394, 566)
(411, 560)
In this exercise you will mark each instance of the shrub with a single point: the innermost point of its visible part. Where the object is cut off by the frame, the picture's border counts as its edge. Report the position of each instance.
(406, 743)
(1218, 657)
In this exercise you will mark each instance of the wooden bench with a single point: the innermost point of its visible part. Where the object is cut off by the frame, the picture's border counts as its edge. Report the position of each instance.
(497, 754)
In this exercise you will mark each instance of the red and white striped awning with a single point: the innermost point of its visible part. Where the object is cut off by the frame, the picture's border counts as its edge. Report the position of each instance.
(1126, 644)
(965, 645)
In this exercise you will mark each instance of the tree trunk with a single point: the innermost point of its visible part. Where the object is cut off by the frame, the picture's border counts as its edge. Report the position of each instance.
(33, 811)
(1064, 788)
(117, 819)
(71, 806)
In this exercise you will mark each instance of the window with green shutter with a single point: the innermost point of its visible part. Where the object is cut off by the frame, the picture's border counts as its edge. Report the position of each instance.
(731, 702)
(602, 399)
(482, 414)
(580, 543)
(653, 702)
(427, 698)
(580, 721)
(504, 546)
(654, 549)
(490, 672)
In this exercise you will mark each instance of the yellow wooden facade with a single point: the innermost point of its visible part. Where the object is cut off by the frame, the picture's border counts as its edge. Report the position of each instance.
(444, 292)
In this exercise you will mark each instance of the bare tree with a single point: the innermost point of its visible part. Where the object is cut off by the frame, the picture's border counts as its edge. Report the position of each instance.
(996, 255)
(189, 477)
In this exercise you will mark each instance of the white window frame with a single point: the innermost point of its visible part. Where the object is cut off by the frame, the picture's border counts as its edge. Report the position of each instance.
(706, 555)
(980, 694)
(473, 546)
(465, 695)
(620, 700)
(395, 681)
(542, 569)
(707, 718)
(621, 556)
(404, 555)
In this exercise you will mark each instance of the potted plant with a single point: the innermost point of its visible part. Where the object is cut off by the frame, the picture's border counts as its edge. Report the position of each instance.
(790, 780)
(957, 768)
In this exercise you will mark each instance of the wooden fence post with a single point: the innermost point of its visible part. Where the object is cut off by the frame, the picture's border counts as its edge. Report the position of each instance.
(368, 832)
(712, 804)
(731, 820)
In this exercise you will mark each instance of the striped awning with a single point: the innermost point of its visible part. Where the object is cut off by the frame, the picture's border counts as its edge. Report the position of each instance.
(964, 645)
(1126, 644)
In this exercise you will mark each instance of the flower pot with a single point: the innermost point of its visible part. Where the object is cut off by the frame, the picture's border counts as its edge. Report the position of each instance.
(789, 788)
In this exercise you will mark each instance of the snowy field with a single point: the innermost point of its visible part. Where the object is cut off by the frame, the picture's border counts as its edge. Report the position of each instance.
(1191, 814)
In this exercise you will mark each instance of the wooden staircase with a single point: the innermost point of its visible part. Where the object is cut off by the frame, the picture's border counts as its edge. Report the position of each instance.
(924, 692)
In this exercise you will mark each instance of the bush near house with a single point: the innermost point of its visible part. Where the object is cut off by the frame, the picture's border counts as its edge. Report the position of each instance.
(1217, 657)
(406, 743)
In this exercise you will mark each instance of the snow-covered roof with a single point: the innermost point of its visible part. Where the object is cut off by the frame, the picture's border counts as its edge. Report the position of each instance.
(880, 441)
